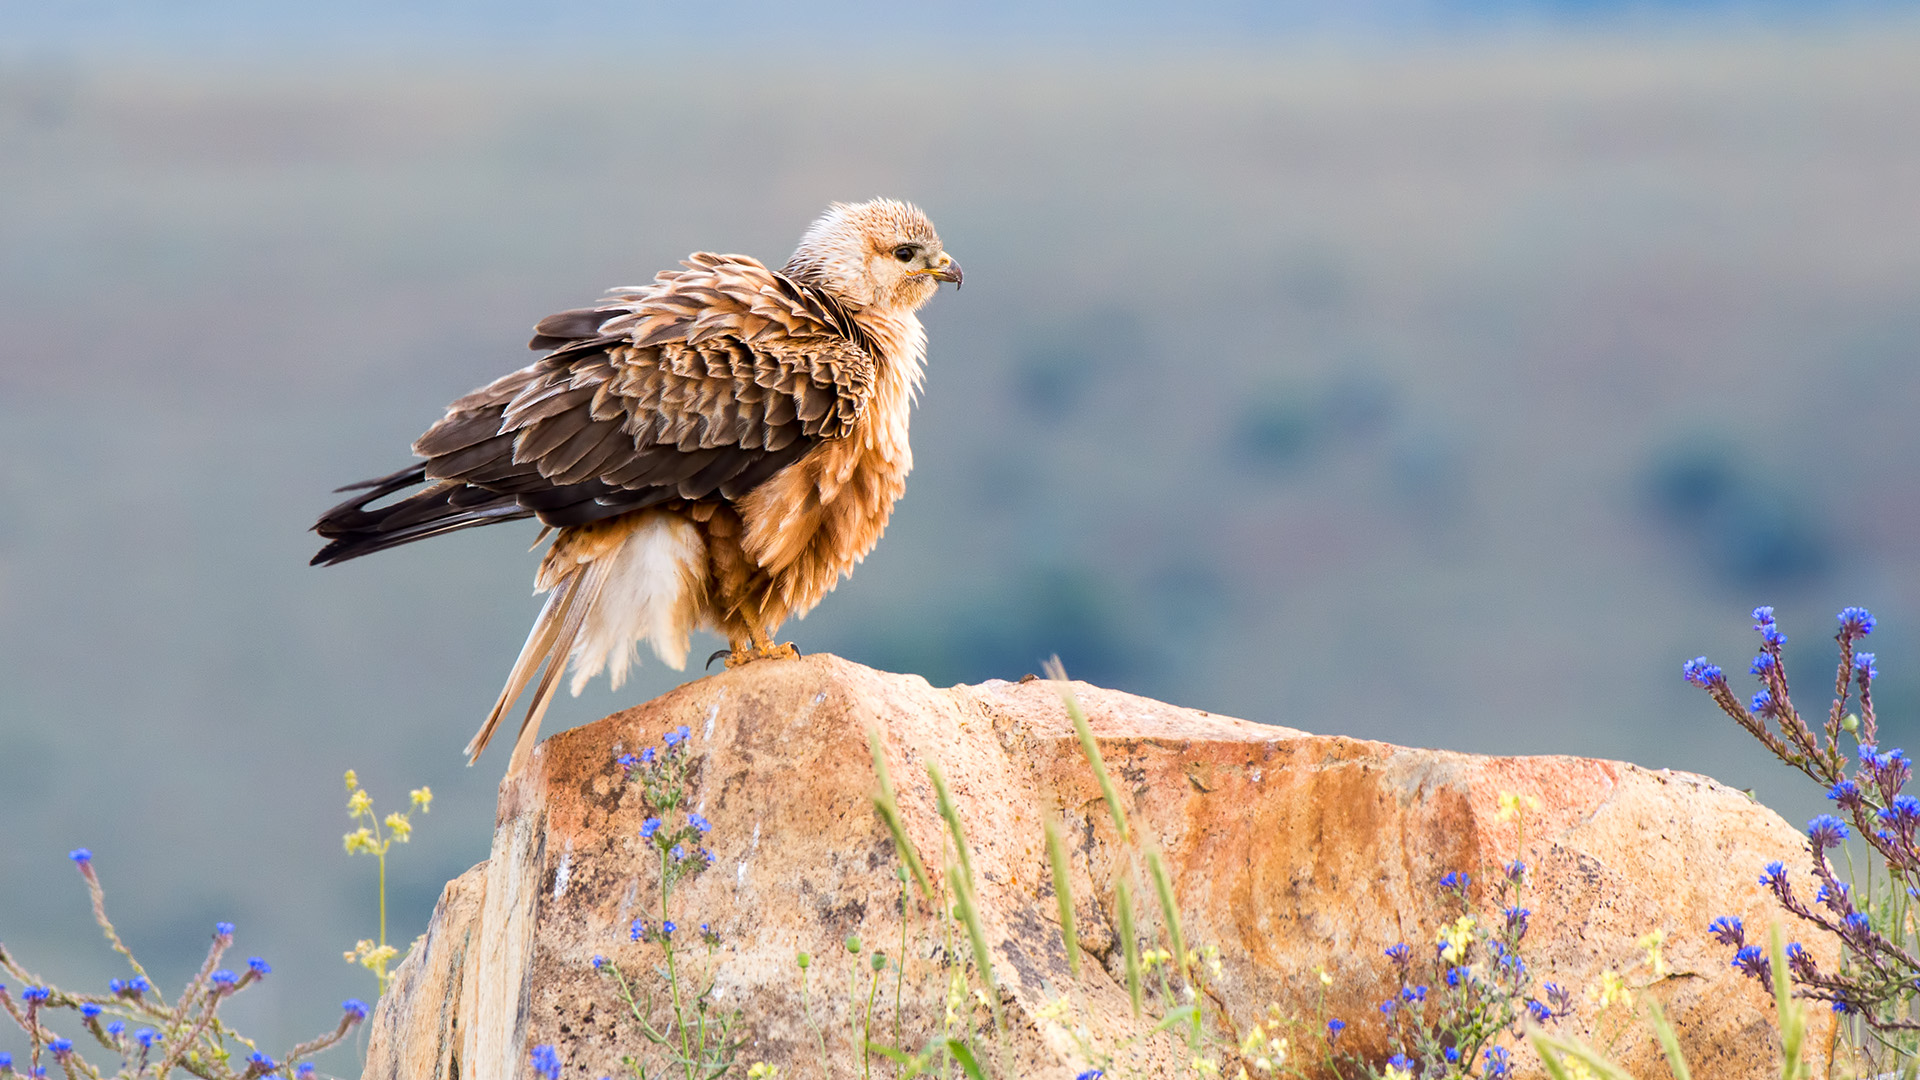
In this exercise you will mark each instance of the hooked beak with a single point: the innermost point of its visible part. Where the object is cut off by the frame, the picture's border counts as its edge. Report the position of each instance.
(945, 270)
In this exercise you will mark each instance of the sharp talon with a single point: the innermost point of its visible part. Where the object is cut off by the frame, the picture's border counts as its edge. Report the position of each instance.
(717, 654)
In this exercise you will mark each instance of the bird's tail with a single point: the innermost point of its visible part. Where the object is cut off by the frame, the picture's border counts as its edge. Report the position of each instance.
(549, 642)
(609, 584)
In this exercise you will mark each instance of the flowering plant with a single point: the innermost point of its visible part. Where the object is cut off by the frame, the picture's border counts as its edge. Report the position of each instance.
(135, 1023)
(1877, 982)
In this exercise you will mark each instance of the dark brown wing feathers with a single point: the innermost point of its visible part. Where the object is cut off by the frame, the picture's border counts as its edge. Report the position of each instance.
(701, 385)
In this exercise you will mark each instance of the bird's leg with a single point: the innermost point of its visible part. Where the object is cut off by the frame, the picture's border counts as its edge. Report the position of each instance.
(760, 647)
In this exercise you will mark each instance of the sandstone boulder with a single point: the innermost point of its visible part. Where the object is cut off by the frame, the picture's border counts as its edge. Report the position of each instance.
(1288, 851)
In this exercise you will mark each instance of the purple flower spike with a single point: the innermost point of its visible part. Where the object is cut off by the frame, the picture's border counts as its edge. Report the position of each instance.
(1728, 930)
(1762, 617)
(1858, 620)
(546, 1062)
(1863, 664)
(1826, 831)
(1701, 673)
(354, 1008)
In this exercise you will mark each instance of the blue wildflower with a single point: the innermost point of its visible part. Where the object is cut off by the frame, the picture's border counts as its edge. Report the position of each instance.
(638, 931)
(1412, 994)
(258, 967)
(139, 984)
(60, 1047)
(1541, 1013)
(627, 762)
(116, 1028)
(647, 756)
(6, 1061)
(1517, 920)
(546, 1061)
(224, 978)
(1729, 930)
(80, 855)
(667, 928)
(1458, 976)
(1863, 664)
(1450, 1054)
(262, 1065)
(1761, 664)
(34, 995)
(1334, 1028)
(1091, 1074)
(304, 1071)
(1701, 673)
(678, 852)
(1842, 1005)
(1772, 636)
(1389, 1005)
(89, 1010)
(1761, 703)
(649, 827)
(1751, 961)
(676, 736)
(1516, 870)
(147, 1037)
(1499, 1063)
(1905, 810)
(1826, 831)
(699, 823)
(1857, 619)
(1402, 1062)
(1857, 923)
(1775, 874)
(598, 961)
(1454, 879)
(1762, 617)
(1846, 793)
(223, 929)
(1400, 954)
(354, 1008)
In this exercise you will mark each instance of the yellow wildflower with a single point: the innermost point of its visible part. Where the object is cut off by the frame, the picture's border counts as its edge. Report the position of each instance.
(1655, 960)
(760, 1070)
(1512, 804)
(353, 780)
(399, 826)
(423, 798)
(360, 802)
(360, 839)
(1612, 988)
(1325, 979)
(1395, 1072)
(1456, 939)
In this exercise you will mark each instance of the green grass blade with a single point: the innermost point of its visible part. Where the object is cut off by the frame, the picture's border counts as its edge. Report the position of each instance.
(970, 915)
(1123, 911)
(1793, 1022)
(1164, 887)
(1549, 1047)
(1549, 1060)
(888, 807)
(1058, 673)
(964, 1056)
(1676, 1062)
(952, 816)
(1063, 892)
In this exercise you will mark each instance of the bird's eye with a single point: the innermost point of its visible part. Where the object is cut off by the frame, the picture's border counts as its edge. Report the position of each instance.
(905, 252)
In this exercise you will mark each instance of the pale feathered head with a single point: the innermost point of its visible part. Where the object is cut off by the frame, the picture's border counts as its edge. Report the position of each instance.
(882, 254)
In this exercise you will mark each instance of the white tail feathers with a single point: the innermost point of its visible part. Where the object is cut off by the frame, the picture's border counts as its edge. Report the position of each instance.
(610, 584)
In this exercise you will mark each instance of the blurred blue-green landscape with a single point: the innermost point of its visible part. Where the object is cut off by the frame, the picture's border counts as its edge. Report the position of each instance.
(1438, 373)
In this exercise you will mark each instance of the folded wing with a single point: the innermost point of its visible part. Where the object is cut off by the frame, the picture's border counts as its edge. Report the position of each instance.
(699, 386)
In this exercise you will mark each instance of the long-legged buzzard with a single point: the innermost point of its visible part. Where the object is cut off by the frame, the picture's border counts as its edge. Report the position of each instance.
(715, 449)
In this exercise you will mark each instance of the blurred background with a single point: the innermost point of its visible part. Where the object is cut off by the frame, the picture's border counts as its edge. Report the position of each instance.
(1439, 372)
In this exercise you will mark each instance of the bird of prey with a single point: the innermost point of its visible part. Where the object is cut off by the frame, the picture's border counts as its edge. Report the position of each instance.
(713, 450)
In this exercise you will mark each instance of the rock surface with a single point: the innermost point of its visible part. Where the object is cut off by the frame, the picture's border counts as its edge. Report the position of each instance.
(1288, 851)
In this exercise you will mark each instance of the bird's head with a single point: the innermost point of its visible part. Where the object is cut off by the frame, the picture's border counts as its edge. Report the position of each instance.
(882, 254)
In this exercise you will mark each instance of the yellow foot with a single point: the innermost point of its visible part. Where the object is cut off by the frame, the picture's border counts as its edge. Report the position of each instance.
(762, 652)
